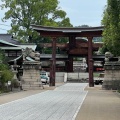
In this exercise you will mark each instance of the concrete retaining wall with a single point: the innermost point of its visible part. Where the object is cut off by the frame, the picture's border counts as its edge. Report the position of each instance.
(77, 76)
(59, 76)
(63, 76)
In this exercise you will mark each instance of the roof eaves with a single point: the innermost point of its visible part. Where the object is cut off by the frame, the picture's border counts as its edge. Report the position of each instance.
(11, 48)
(66, 29)
(5, 42)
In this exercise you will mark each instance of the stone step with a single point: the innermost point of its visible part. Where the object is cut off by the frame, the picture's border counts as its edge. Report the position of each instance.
(32, 86)
(31, 82)
(32, 72)
(32, 75)
(78, 80)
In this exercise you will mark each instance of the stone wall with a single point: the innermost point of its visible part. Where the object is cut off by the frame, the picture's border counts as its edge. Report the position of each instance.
(112, 75)
(31, 76)
(111, 79)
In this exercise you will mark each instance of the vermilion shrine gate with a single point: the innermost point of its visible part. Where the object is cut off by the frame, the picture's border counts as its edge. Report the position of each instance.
(71, 33)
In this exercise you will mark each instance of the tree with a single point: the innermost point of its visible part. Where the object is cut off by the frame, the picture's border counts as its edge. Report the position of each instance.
(111, 21)
(6, 74)
(84, 26)
(23, 13)
(3, 61)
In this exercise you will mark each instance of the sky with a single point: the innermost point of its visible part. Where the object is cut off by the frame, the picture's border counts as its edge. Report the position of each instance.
(80, 12)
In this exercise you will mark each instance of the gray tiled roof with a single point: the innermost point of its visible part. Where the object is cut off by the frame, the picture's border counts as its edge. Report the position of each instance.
(8, 43)
(8, 38)
(66, 29)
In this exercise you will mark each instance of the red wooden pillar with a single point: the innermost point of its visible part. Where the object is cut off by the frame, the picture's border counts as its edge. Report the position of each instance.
(90, 62)
(67, 65)
(70, 67)
(87, 64)
(72, 41)
(72, 45)
(53, 63)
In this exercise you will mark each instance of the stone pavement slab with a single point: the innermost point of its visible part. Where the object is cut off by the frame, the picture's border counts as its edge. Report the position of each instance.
(100, 105)
(63, 103)
(11, 96)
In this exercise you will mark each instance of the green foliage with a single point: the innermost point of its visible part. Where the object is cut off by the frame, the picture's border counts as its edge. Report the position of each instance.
(103, 50)
(3, 67)
(62, 40)
(111, 21)
(47, 40)
(2, 56)
(84, 26)
(23, 13)
(119, 90)
(3, 63)
(6, 76)
(96, 74)
(65, 23)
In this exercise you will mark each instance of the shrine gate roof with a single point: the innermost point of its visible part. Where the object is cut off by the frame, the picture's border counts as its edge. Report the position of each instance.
(66, 31)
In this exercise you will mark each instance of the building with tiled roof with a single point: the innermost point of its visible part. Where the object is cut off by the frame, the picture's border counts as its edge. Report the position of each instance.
(9, 38)
(12, 48)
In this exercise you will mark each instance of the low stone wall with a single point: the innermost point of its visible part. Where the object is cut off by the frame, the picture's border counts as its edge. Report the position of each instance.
(31, 75)
(112, 75)
(111, 79)
(111, 85)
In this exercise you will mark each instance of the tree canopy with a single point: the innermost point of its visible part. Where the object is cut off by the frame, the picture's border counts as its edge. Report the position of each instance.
(23, 13)
(111, 21)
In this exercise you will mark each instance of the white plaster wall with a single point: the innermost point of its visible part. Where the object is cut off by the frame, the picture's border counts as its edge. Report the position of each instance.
(63, 76)
(77, 75)
(59, 76)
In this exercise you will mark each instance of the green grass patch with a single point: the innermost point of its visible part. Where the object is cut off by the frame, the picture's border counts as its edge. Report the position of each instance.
(4, 91)
(96, 74)
(119, 91)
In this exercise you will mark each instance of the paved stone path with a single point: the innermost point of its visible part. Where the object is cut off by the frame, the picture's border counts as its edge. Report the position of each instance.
(63, 103)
